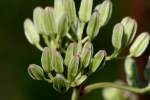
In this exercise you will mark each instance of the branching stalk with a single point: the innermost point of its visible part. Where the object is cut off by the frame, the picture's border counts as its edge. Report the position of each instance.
(95, 86)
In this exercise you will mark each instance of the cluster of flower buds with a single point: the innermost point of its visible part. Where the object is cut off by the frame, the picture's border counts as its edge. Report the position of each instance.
(60, 24)
(71, 71)
(124, 34)
(67, 57)
(68, 72)
(67, 60)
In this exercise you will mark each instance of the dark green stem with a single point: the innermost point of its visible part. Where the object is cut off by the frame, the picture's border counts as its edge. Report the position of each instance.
(75, 94)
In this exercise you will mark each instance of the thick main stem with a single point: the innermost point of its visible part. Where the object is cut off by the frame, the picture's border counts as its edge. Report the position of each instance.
(75, 94)
(95, 86)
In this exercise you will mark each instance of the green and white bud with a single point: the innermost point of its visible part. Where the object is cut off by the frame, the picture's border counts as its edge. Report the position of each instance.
(71, 51)
(93, 26)
(59, 9)
(38, 19)
(140, 44)
(147, 70)
(36, 72)
(31, 32)
(46, 60)
(105, 11)
(86, 54)
(57, 61)
(110, 93)
(70, 9)
(60, 84)
(117, 37)
(132, 73)
(130, 29)
(79, 81)
(63, 26)
(98, 60)
(50, 23)
(85, 10)
(73, 67)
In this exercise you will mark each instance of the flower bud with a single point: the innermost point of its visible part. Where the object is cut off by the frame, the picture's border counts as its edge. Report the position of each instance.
(93, 26)
(60, 83)
(36, 72)
(71, 11)
(130, 28)
(147, 70)
(85, 10)
(72, 48)
(86, 54)
(117, 37)
(79, 81)
(38, 18)
(140, 44)
(63, 26)
(98, 60)
(50, 23)
(110, 93)
(132, 74)
(73, 67)
(59, 9)
(31, 32)
(57, 61)
(46, 60)
(105, 11)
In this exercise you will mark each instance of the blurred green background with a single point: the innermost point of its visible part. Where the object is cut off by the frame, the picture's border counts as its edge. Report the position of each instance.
(16, 53)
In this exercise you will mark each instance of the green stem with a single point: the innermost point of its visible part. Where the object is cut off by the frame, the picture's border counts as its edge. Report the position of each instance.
(95, 86)
(75, 94)
(39, 46)
(85, 39)
(69, 37)
(113, 55)
(46, 40)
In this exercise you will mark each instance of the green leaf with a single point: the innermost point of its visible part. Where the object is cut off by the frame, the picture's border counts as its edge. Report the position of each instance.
(117, 37)
(140, 44)
(130, 28)
(147, 70)
(85, 10)
(31, 32)
(36, 72)
(98, 60)
(93, 26)
(60, 84)
(46, 60)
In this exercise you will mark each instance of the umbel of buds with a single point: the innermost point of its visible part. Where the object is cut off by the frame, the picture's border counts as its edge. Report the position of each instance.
(68, 56)
(53, 66)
